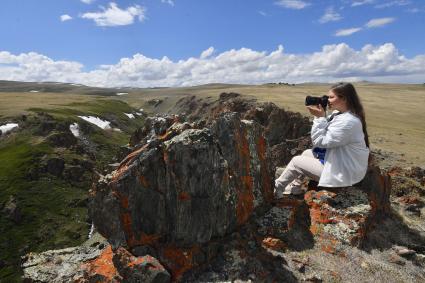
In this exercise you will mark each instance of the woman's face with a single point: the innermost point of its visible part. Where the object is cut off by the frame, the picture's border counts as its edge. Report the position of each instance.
(336, 102)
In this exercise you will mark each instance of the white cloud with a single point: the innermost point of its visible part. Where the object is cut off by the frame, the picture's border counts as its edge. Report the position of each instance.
(114, 16)
(331, 63)
(207, 53)
(345, 32)
(361, 2)
(379, 22)
(393, 3)
(262, 13)
(292, 4)
(170, 2)
(330, 16)
(36, 67)
(87, 1)
(65, 18)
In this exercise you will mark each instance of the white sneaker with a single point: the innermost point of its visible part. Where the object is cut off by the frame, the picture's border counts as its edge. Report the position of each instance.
(294, 188)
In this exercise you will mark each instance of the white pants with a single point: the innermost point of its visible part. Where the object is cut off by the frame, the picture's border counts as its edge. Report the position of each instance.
(302, 165)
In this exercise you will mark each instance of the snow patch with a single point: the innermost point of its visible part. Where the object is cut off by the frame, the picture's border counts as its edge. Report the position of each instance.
(129, 115)
(91, 230)
(122, 93)
(103, 124)
(34, 91)
(75, 129)
(8, 127)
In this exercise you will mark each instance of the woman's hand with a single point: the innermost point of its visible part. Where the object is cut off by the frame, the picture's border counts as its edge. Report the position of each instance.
(316, 110)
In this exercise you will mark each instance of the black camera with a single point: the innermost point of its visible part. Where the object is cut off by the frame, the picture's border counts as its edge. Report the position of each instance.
(313, 100)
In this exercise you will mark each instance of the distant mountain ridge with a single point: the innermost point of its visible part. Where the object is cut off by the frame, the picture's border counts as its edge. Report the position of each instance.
(57, 87)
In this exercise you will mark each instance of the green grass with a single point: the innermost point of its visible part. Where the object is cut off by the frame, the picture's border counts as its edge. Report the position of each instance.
(44, 205)
(54, 210)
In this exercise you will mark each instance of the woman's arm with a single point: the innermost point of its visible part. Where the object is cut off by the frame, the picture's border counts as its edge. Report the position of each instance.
(336, 133)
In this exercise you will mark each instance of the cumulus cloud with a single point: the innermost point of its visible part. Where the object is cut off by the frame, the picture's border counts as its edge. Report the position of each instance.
(346, 32)
(65, 18)
(292, 4)
(87, 1)
(170, 2)
(330, 16)
(114, 16)
(374, 23)
(332, 63)
(36, 67)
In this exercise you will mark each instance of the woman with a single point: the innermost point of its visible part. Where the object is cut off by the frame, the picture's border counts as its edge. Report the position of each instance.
(340, 146)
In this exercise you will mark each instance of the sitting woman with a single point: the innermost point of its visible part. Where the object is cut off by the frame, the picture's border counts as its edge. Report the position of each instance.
(340, 146)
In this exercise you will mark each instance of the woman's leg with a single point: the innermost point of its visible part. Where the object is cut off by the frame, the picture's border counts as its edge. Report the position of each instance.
(302, 165)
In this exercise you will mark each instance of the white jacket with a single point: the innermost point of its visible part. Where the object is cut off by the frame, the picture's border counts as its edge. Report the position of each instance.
(346, 158)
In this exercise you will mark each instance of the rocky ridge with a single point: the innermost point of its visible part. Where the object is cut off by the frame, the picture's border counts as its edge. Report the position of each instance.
(196, 195)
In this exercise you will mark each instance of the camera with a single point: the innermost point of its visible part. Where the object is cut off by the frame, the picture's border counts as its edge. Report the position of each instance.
(313, 100)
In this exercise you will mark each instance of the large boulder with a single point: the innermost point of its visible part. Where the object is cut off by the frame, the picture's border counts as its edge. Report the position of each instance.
(199, 184)
(185, 189)
(345, 215)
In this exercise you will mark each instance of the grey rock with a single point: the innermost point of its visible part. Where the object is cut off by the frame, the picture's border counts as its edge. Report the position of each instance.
(197, 185)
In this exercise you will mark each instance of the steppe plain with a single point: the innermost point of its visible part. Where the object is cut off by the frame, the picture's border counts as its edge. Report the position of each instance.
(394, 112)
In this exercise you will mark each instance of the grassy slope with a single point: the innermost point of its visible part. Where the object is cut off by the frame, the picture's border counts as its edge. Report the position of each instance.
(54, 210)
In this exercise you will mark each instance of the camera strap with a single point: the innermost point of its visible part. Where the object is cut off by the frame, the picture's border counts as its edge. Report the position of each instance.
(332, 116)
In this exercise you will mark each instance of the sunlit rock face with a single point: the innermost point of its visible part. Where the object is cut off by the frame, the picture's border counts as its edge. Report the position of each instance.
(186, 188)
(94, 261)
(345, 215)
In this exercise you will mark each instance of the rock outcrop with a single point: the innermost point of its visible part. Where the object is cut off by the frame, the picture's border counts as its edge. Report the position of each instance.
(94, 261)
(196, 194)
(183, 190)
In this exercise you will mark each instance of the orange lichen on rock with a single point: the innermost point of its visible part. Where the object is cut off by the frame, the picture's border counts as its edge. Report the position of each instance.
(143, 181)
(318, 211)
(184, 196)
(328, 249)
(165, 136)
(274, 244)
(245, 202)
(329, 245)
(395, 171)
(179, 260)
(321, 215)
(102, 265)
(127, 161)
(409, 200)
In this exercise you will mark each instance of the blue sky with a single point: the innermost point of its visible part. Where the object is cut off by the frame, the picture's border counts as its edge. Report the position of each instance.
(160, 42)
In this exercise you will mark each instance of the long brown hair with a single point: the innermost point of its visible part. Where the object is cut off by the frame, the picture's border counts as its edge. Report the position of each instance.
(349, 93)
